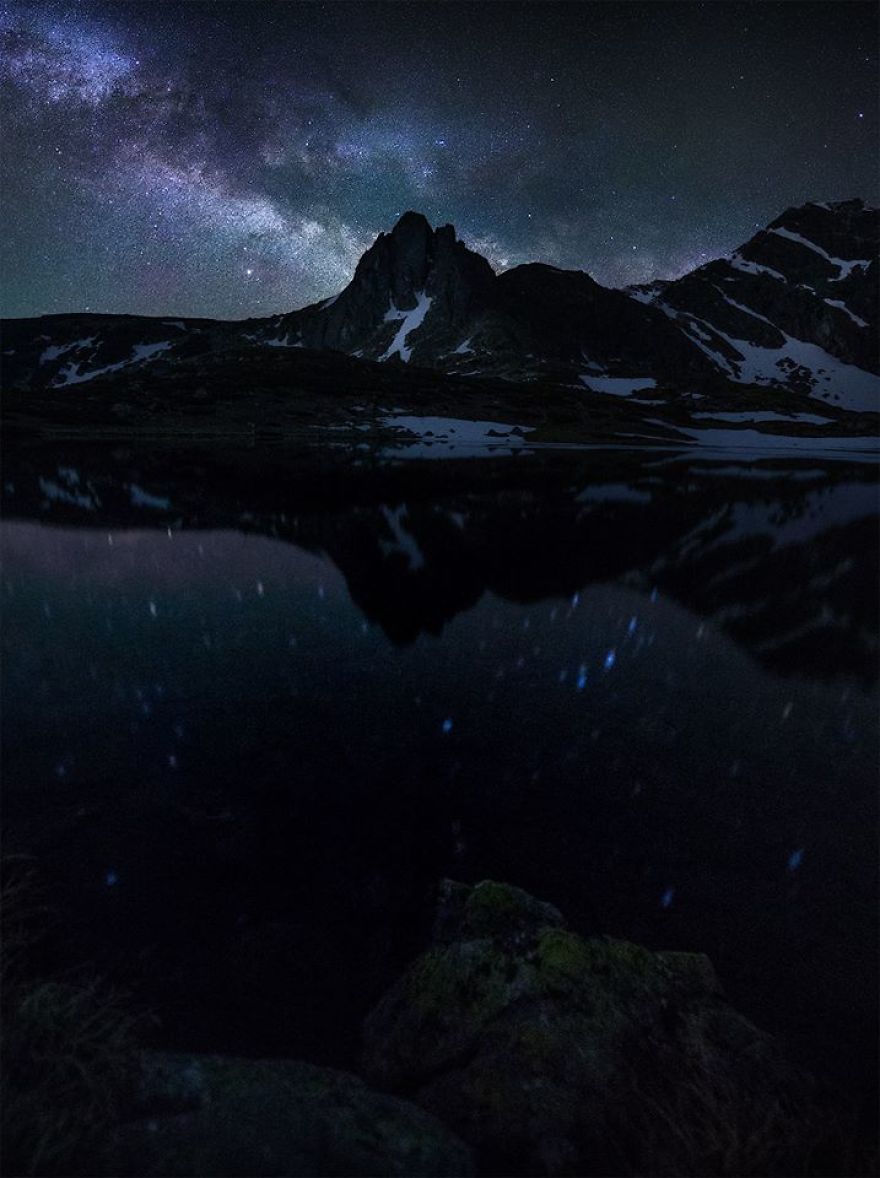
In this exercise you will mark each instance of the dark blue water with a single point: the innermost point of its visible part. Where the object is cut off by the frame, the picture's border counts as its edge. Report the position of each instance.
(252, 716)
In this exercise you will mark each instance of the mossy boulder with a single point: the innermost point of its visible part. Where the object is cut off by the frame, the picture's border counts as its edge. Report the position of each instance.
(551, 1053)
(212, 1116)
(490, 909)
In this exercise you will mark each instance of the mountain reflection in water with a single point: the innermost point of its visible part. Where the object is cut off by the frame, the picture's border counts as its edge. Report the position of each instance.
(255, 708)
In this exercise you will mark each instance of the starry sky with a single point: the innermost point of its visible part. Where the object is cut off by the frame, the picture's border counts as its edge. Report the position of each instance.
(235, 159)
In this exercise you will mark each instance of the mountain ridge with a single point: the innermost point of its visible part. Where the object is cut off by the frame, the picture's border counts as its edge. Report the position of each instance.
(792, 310)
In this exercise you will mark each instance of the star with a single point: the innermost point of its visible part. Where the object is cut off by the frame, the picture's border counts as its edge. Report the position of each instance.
(185, 138)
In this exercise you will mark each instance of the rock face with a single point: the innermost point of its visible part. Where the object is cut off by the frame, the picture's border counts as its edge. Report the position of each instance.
(794, 309)
(215, 1116)
(412, 280)
(554, 1054)
(421, 295)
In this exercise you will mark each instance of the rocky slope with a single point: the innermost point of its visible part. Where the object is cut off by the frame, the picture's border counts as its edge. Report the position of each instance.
(794, 310)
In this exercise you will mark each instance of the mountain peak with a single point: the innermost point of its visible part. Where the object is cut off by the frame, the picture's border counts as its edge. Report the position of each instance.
(412, 278)
(410, 222)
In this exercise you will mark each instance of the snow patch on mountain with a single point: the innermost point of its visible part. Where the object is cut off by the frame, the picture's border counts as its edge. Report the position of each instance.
(148, 351)
(846, 268)
(141, 353)
(56, 350)
(841, 306)
(845, 265)
(746, 310)
(646, 295)
(747, 267)
(829, 379)
(70, 373)
(692, 325)
(410, 320)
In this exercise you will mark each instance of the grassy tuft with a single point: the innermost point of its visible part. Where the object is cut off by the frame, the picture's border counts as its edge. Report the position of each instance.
(710, 1123)
(69, 1050)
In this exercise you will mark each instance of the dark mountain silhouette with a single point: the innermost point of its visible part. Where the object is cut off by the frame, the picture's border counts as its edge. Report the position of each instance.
(805, 285)
(795, 309)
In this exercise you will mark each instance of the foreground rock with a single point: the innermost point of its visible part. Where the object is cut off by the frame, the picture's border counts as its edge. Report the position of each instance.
(554, 1054)
(207, 1116)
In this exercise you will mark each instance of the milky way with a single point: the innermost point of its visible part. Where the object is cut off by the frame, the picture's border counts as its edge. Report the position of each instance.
(236, 159)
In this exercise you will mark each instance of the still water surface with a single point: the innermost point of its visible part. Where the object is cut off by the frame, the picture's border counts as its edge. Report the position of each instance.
(251, 719)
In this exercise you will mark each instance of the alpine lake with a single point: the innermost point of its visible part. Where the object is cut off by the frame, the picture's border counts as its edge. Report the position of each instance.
(258, 703)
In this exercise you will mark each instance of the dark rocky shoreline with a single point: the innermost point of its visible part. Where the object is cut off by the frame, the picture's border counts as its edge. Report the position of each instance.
(511, 1045)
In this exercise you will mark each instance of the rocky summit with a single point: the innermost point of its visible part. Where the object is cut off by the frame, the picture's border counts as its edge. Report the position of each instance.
(793, 310)
(413, 292)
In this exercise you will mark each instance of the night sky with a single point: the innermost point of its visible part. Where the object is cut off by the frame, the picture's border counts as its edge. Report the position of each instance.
(236, 159)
